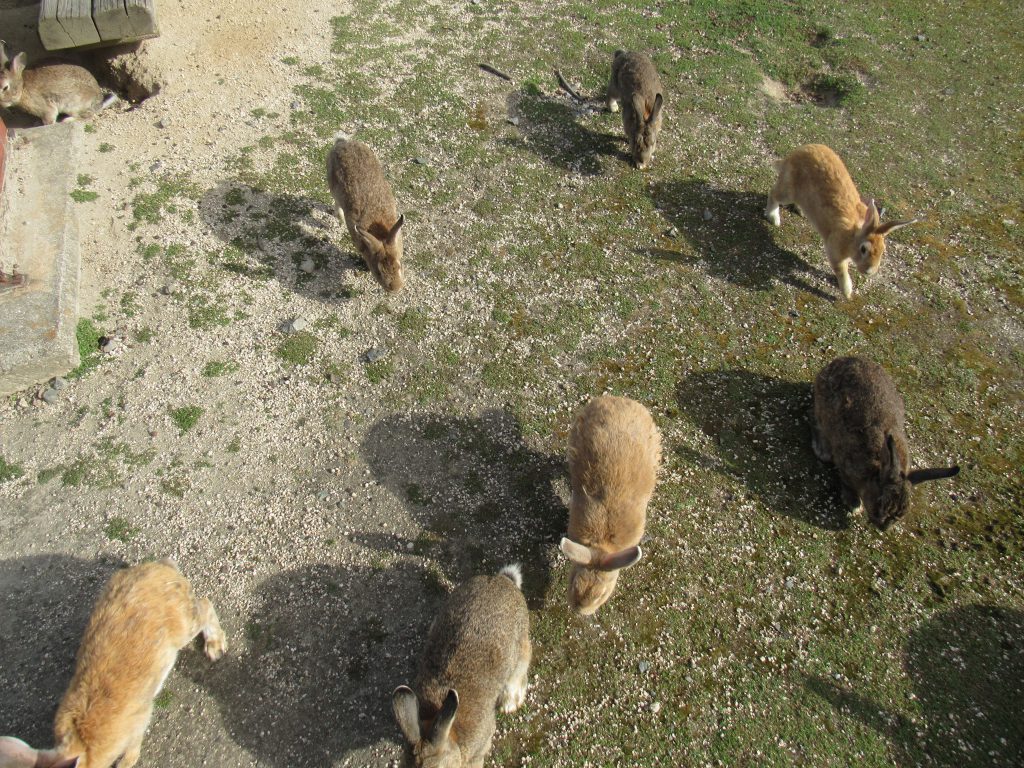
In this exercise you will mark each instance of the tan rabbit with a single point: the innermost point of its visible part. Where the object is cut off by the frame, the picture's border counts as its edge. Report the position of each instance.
(145, 615)
(813, 177)
(367, 206)
(614, 453)
(636, 83)
(48, 90)
(477, 657)
(858, 424)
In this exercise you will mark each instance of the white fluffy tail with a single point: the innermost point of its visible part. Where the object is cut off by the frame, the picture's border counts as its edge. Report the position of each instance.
(514, 572)
(341, 135)
(110, 99)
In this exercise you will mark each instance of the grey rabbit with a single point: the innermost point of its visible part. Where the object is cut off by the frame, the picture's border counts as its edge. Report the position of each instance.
(477, 657)
(636, 84)
(48, 90)
(367, 206)
(858, 425)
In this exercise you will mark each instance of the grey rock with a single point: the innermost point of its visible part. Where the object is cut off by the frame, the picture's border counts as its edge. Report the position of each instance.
(790, 582)
(294, 325)
(419, 161)
(156, 166)
(49, 395)
(170, 288)
(643, 666)
(672, 232)
(708, 215)
(296, 105)
(512, 120)
(375, 354)
(58, 384)
(163, 122)
(109, 346)
(307, 265)
(921, 38)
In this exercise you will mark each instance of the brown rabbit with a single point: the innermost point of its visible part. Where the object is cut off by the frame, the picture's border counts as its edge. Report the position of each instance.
(813, 177)
(367, 206)
(48, 90)
(614, 453)
(145, 615)
(636, 83)
(858, 424)
(477, 657)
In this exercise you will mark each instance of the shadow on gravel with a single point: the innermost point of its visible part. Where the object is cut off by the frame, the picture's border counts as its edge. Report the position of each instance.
(268, 236)
(45, 603)
(737, 243)
(549, 127)
(482, 496)
(761, 427)
(309, 679)
(967, 669)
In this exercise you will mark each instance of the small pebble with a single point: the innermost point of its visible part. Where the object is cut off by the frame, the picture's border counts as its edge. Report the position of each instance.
(375, 354)
(296, 105)
(419, 161)
(156, 166)
(920, 38)
(307, 265)
(643, 666)
(794, 313)
(708, 215)
(294, 326)
(109, 345)
(672, 232)
(655, 707)
(49, 395)
(1009, 222)
(170, 288)
(163, 122)
(409, 546)
(790, 582)
(58, 384)
(512, 120)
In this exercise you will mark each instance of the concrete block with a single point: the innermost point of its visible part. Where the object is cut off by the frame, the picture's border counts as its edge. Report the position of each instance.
(39, 235)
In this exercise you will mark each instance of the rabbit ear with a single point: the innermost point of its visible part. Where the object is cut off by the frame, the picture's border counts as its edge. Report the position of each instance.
(639, 107)
(394, 230)
(365, 235)
(577, 553)
(892, 226)
(658, 104)
(870, 219)
(934, 473)
(15, 753)
(407, 713)
(3, 53)
(890, 461)
(445, 718)
(18, 65)
(622, 559)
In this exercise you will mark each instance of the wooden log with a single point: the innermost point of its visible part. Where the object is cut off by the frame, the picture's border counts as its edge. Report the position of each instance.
(111, 19)
(51, 33)
(76, 18)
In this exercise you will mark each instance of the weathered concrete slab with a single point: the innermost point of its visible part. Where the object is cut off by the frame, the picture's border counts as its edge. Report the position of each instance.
(39, 234)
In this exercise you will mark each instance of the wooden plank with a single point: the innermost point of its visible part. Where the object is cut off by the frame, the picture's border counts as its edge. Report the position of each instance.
(76, 18)
(111, 19)
(142, 15)
(51, 33)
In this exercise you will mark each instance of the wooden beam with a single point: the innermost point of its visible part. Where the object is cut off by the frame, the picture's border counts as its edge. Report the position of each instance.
(51, 33)
(111, 19)
(76, 18)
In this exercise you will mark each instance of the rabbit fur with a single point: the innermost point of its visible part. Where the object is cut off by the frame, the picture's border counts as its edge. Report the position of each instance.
(144, 616)
(614, 453)
(858, 425)
(48, 90)
(366, 205)
(636, 84)
(814, 178)
(476, 657)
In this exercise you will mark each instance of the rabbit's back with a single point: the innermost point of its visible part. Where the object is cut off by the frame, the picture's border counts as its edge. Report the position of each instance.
(819, 183)
(145, 614)
(357, 182)
(636, 73)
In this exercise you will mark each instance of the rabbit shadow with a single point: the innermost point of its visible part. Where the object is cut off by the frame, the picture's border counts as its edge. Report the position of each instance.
(45, 603)
(267, 236)
(966, 666)
(483, 497)
(309, 678)
(551, 128)
(761, 427)
(736, 243)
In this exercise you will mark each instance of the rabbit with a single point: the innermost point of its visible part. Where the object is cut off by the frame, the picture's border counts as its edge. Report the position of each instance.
(477, 657)
(144, 616)
(858, 425)
(614, 453)
(366, 205)
(636, 83)
(48, 90)
(813, 177)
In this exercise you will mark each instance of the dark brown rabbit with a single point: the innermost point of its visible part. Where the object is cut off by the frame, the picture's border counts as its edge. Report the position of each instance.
(636, 84)
(48, 90)
(366, 205)
(858, 425)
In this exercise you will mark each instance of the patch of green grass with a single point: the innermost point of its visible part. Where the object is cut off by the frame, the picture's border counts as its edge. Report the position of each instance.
(298, 348)
(235, 445)
(105, 147)
(380, 370)
(145, 334)
(150, 207)
(216, 368)
(291, 61)
(9, 471)
(175, 486)
(87, 335)
(164, 699)
(185, 418)
(119, 529)
(83, 195)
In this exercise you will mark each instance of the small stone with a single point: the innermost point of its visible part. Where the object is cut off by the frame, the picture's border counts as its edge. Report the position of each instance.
(109, 345)
(790, 582)
(294, 325)
(49, 395)
(163, 122)
(419, 161)
(921, 38)
(170, 288)
(794, 313)
(655, 707)
(323, 495)
(409, 546)
(156, 166)
(307, 265)
(948, 91)
(672, 232)
(950, 193)
(296, 105)
(375, 354)
(643, 666)
(58, 384)
(708, 215)
(512, 120)
(1009, 222)
(153, 433)
(560, 206)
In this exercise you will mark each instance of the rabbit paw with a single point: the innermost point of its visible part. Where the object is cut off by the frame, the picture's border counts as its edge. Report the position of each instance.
(215, 646)
(513, 697)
